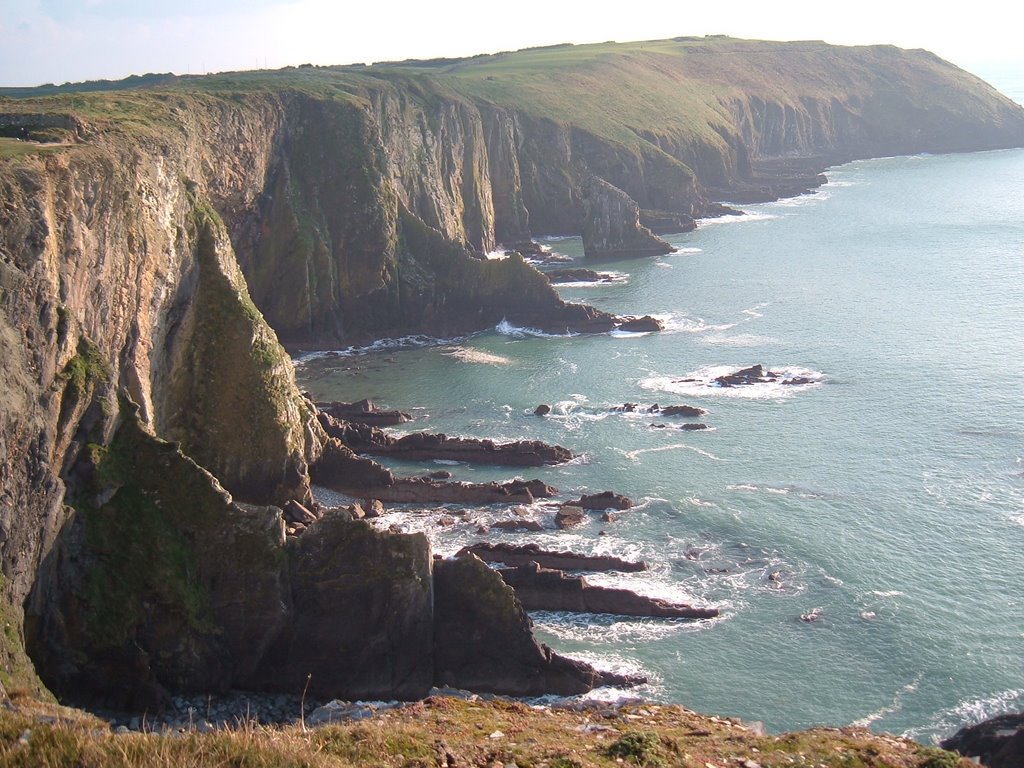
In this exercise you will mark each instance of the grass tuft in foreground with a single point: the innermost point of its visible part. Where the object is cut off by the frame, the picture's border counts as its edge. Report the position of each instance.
(453, 732)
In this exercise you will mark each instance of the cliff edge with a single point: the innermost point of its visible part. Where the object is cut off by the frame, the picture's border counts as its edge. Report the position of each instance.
(157, 245)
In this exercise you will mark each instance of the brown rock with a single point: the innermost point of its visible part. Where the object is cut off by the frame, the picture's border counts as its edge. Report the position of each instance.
(428, 446)
(364, 412)
(297, 513)
(518, 525)
(682, 410)
(542, 410)
(645, 324)
(604, 500)
(543, 589)
(484, 640)
(569, 516)
(514, 555)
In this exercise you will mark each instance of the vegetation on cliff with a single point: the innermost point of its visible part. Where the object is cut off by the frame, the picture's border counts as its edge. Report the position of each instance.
(451, 732)
(155, 243)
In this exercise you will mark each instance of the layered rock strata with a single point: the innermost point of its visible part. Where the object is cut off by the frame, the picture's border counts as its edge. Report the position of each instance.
(150, 263)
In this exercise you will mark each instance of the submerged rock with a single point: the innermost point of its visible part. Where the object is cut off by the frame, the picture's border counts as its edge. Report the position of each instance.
(544, 589)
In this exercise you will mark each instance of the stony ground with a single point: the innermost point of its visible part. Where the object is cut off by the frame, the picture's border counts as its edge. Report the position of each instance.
(447, 732)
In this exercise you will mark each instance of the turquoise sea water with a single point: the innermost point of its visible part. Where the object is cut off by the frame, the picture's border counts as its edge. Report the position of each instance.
(887, 496)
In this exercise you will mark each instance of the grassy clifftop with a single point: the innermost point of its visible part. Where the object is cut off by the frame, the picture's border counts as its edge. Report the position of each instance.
(683, 86)
(450, 732)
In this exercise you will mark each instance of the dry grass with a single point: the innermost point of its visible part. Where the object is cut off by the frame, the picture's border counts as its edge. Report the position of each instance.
(443, 732)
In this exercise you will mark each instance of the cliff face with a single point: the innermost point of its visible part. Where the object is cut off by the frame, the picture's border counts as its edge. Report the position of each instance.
(148, 268)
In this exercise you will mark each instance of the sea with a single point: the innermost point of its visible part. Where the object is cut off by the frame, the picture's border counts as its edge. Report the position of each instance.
(862, 531)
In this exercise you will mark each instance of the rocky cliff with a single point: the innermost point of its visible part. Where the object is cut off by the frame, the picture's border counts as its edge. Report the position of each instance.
(158, 244)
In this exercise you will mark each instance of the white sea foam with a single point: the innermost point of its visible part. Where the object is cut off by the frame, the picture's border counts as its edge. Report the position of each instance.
(968, 712)
(610, 277)
(739, 340)
(663, 265)
(634, 455)
(892, 707)
(381, 345)
(688, 250)
(604, 628)
(700, 383)
(802, 200)
(744, 217)
(470, 355)
(505, 328)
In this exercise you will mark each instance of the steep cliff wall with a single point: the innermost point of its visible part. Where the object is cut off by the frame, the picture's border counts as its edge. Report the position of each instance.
(109, 269)
(153, 262)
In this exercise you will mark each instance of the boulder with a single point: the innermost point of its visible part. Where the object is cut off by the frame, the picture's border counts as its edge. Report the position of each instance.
(517, 524)
(484, 640)
(297, 513)
(514, 555)
(569, 516)
(544, 589)
(682, 410)
(997, 742)
(645, 324)
(693, 427)
(373, 508)
(603, 500)
(542, 410)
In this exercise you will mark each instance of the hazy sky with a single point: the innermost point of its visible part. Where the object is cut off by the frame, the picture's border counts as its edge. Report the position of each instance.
(69, 40)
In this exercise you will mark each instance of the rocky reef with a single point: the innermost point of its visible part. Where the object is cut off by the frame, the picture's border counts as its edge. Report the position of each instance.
(158, 244)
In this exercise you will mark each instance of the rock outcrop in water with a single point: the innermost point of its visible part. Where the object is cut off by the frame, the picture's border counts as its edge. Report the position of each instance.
(545, 589)
(428, 446)
(151, 261)
(998, 742)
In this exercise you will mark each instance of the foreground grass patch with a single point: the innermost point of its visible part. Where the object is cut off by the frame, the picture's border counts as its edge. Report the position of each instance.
(451, 732)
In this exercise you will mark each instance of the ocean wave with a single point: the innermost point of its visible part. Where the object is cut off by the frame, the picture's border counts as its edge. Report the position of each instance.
(700, 383)
(777, 490)
(634, 455)
(745, 216)
(968, 712)
(606, 629)
(688, 250)
(891, 708)
(415, 341)
(610, 277)
(802, 200)
(740, 340)
(505, 328)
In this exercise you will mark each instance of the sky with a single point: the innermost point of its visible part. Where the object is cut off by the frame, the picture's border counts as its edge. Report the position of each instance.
(71, 40)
